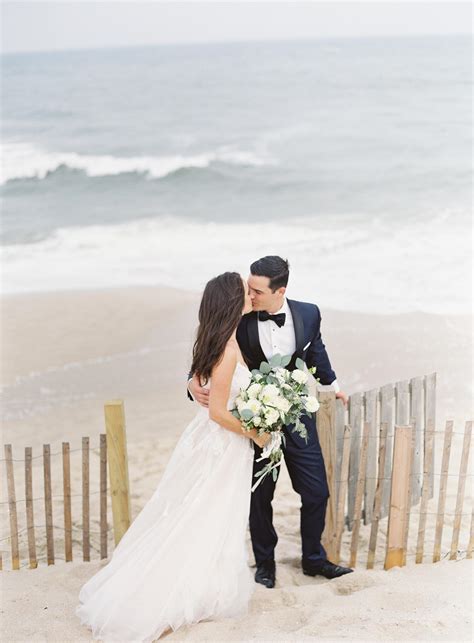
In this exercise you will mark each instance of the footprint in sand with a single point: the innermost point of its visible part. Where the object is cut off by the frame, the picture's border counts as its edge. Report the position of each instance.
(351, 583)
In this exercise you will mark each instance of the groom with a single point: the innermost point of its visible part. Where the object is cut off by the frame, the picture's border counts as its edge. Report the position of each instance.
(288, 327)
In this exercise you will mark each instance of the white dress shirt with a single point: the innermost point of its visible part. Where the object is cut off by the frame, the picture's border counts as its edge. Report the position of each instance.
(275, 339)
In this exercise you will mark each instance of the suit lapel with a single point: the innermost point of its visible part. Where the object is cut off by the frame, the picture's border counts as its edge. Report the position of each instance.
(298, 324)
(254, 341)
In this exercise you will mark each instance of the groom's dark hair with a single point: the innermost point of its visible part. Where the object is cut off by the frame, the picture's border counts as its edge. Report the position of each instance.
(273, 267)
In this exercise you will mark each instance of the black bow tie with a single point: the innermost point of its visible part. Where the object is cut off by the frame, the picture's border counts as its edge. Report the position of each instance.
(278, 319)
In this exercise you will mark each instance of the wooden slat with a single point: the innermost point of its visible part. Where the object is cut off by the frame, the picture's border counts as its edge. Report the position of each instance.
(378, 496)
(326, 420)
(359, 494)
(342, 491)
(402, 393)
(425, 492)
(12, 507)
(67, 502)
(355, 420)
(416, 413)
(471, 537)
(118, 467)
(410, 491)
(340, 431)
(103, 495)
(371, 399)
(48, 503)
(30, 516)
(399, 496)
(461, 486)
(448, 434)
(387, 415)
(430, 416)
(86, 554)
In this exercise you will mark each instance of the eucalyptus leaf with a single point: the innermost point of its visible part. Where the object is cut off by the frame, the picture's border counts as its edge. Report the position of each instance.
(265, 368)
(247, 414)
(275, 361)
(285, 360)
(300, 364)
(275, 474)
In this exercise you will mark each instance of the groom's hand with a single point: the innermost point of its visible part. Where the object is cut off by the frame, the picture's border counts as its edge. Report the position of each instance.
(200, 394)
(342, 396)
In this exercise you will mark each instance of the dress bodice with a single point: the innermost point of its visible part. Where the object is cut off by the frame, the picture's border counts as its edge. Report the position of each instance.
(240, 379)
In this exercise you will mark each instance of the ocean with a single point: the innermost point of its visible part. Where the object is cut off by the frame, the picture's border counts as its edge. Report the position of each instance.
(169, 164)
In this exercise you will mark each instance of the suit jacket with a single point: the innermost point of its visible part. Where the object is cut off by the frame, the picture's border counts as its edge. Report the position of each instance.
(309, 344)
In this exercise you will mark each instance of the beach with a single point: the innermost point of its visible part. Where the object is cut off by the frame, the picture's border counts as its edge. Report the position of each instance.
(66, 353)
(131, 175)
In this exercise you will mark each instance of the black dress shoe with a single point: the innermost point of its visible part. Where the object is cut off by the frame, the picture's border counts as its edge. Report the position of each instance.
(326, 569)
(265, 574)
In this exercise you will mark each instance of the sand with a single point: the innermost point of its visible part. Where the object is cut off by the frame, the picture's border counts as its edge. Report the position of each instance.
(65, 354)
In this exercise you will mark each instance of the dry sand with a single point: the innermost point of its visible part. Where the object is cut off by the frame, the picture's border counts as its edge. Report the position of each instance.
(64, 354)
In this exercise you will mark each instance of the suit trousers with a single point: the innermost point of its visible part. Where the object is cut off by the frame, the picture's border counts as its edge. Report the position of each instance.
(305, 464)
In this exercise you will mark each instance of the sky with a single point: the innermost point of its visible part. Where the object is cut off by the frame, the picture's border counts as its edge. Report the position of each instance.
(46, 26)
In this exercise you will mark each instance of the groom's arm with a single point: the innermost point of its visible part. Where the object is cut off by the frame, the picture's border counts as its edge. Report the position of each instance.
(196, 392)
(190, 379)
(316, 355)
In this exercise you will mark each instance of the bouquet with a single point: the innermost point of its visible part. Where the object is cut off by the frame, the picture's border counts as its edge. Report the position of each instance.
(275, 397)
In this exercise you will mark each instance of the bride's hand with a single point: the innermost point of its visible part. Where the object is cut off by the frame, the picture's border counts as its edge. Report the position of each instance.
(262, 440)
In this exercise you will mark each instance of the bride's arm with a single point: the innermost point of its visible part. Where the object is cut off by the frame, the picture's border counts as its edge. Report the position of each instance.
(221, 379)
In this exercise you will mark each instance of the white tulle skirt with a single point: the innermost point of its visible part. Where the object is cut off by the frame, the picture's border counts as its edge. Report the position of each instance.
(184, 558)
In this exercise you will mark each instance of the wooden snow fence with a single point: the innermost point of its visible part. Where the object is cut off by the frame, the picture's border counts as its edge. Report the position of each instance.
(51, 537)
(379, 454)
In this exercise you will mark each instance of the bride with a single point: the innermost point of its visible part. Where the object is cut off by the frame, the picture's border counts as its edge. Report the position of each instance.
(184, 557)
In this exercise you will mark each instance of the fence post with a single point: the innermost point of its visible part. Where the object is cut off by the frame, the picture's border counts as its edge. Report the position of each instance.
(430, 416)
(371, 406)
(30, 517)
(460, 494)
(48, 503)
(12, 507)
(326, 426)
(399, 496)
(359, 493)
(425, 491)
(342, 489)
(103, 495)
(448, 435)
(355, 420)
(118, 467)
(378, 496)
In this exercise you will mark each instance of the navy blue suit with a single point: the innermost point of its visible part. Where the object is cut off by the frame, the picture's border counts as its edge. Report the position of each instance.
(304, 460)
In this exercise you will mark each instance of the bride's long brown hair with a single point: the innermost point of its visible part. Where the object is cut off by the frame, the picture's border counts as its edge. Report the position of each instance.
(220, 311)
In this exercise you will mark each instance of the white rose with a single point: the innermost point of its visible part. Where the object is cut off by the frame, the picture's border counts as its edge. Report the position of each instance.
(272, 416)
(311, 404)
(253, 390)
(269, 393)
(254, 406)
(257, 420)
(282, 404)
(280, 374)
(299, 376)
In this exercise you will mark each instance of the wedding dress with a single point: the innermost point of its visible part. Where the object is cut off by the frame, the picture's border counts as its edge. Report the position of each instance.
(184, 557)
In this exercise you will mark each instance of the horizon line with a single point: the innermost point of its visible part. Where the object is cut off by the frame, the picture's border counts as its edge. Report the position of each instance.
(235, 42)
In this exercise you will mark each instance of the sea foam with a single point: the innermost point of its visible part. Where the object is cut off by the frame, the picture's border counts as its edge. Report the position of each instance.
(26, 161)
